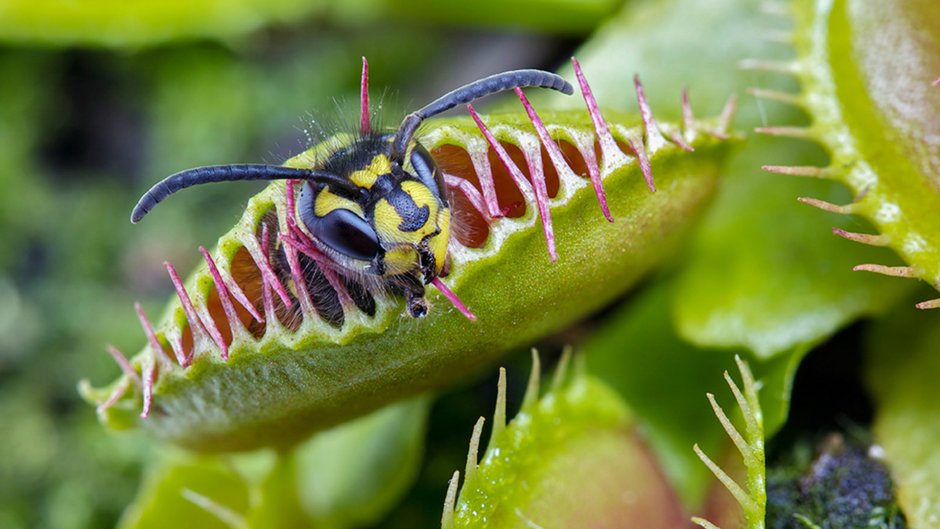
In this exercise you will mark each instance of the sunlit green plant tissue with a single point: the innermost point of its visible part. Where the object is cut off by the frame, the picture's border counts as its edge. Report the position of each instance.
(632, 233)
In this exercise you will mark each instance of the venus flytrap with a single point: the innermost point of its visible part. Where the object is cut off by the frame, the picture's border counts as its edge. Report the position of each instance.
(536, 182)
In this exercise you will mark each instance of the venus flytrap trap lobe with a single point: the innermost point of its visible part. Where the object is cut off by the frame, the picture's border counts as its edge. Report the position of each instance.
(325, 349)
(569, 458)
(872, 119)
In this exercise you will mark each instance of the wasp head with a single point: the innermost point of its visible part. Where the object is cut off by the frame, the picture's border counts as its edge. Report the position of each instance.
(392, 220)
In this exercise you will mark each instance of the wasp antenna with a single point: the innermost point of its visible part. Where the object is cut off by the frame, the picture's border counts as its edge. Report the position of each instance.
(124, 363)
(227, 173)
(471, 92)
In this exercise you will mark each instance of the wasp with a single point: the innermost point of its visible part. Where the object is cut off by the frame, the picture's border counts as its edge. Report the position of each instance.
(375, 209)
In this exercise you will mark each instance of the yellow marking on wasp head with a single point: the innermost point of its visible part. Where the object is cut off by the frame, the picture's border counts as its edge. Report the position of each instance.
(387, 221)
(327, 202)
(400, 259)
(423, 196)
(366, 177)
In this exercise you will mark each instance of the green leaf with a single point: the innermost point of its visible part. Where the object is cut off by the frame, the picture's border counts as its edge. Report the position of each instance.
(903, 370)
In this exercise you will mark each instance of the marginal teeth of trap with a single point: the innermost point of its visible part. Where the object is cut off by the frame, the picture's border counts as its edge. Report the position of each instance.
(156, 349)
(465, 187)
(365, 124)
(198, 329)
(639, 151)
(800, 170)
(612, 157)
(175, 336)
(776, 95)
(654, 139)
(893, 271)
(450, 502)
(124, 364)
(727, 114)
(931, 304)
(490, 468)
(499, 414)
(532, 153)
(290, 212)
(477, 150)
(532, 388)
(787, 132)
(561, 370)
(788, 67)
(499, 425)
(584, 143)
(473, 451)
(260, 257)
(148, 378)
(847, 209)
(119, 390)
(864, 238)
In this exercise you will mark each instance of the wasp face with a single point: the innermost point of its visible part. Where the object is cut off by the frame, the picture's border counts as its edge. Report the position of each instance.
(394, 222)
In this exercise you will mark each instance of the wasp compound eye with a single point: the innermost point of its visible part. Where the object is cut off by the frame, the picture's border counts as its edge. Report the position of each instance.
(348, 234)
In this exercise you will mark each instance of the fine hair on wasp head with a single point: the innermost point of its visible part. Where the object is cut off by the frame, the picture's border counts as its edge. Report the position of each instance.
(376, 204)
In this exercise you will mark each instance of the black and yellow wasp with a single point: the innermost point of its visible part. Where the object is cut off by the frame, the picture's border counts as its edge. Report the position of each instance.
(377, 206)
